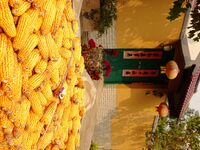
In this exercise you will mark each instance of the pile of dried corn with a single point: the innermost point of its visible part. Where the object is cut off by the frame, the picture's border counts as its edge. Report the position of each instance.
(41, 90)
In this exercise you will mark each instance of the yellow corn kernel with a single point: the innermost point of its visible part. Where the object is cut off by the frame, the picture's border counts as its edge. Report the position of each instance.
(31, 43)
(55, 78)
(76, 125)
(3, 47)
(24, 112)
(36, 80)
(45, 140)
(23, 28)
(5, 122)
(35, 103)
(33, 119)
(55, 147)
(53, 49)
(15, 3)
(65, 53)
(67, 43)
(65, 116)
(36, 133)
(31, 60)
(34, 14)
(5, 102)
(71, 32)
(74, 111)
(26, 140)
(42, 98)
(38, 24)
(23, 7)
(43, 48)
(69, 12)
(41, 66)
(49, 112)
(60, 5)
(60, 111)
(63, 67)
(7, 63)
(59, 37)
(47, 92)
(25, 78)
(71, 143)
(17, 84)
(6, 19)
(49, 18)
(77, 139)
(39, 4)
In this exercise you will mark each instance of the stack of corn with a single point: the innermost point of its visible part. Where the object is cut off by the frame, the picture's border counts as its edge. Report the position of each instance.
(41, 90)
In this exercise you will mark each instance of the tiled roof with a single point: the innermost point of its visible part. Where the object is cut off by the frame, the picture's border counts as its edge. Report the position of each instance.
(190, 91)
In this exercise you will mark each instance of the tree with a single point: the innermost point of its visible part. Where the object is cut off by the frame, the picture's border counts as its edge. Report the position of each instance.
(181, 6)
(176, 134)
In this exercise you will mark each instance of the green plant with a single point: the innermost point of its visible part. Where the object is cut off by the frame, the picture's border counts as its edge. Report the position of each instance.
(181, 6)
(104, 16)
(94, 146)
(176, 134)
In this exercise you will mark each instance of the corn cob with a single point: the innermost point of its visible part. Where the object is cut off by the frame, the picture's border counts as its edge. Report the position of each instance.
(38, 24)
(59, 37)
(49, 18)
(23, 116)
(18, 11)
(53, 49)
(35, 103)
(42, 98)
(8, 63)
(43, 48)
(62, 68)
(5, 102)
(36, 80)
(55, 78)
(65, 53)
(39, 4)
(60, 5)
(77, 139)
(24, 29)
(31, 60)
(5, 122)
(17, 84)
(47, 92)
(34, 14)
(60, 111)
(55, 147)
(67, 43)
(36, 134)
(41, 66)
(31, 43)
(71, 32)
(48, 114)
(6, 19)
(3, 45)
(15, 3)
(69, 12)
(74, 111)
(76, 125)
(65, 116)
(71, 143)
(26, 140)
(45, 140)
(33, 119)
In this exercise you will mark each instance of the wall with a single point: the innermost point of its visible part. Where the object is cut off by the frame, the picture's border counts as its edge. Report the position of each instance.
(143, 24)
(135, 112)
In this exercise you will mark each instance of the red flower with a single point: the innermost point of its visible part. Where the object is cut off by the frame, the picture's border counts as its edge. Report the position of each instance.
(108, 68)
(106, 63)
(92, 43)
(108, 71)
